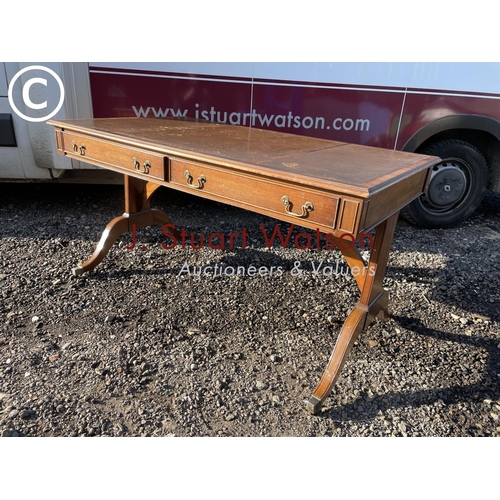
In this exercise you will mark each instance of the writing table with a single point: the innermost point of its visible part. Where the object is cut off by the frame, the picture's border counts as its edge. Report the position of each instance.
(341, 189)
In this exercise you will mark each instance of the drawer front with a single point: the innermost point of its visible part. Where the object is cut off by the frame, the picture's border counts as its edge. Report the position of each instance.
(303, 206)
(138, 162)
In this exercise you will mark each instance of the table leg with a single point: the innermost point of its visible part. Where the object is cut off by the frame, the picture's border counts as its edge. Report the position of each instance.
(138, 214)
(373, 303)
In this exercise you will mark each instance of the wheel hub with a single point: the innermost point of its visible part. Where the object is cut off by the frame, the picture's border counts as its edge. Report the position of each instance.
(447, 185)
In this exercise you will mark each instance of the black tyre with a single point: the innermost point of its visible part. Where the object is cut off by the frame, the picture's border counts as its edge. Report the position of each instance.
(456, 187)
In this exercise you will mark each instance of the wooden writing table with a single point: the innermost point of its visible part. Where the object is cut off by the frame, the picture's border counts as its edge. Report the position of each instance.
(338, 188)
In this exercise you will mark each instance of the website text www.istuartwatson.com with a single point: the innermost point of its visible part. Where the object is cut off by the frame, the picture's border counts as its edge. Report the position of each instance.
(254, 119)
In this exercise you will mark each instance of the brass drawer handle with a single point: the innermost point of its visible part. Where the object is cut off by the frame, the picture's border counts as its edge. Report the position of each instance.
(189, 180)
(306, 207)
(76, 148)
(146, 166)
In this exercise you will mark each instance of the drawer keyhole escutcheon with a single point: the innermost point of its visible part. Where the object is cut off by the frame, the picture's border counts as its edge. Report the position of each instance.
(189, 180)
(306, 207)
(136, 163)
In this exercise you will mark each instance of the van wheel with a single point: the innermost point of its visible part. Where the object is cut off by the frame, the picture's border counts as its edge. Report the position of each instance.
(456, 187)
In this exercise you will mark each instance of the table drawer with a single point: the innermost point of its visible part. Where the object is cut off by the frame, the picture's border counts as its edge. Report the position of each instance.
(139, 162)
(309, 207)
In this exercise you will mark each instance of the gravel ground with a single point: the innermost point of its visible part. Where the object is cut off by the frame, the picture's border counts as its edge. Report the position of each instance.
(138, 348)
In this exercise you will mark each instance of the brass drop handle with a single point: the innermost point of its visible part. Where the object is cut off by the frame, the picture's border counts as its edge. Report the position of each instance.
(76, 148)
(189, 180)
(306, 207)
(146, 166)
